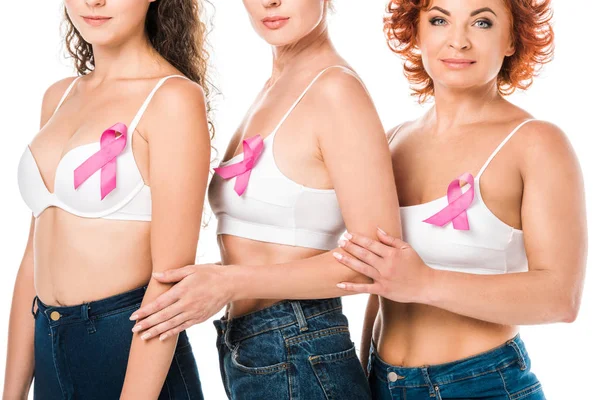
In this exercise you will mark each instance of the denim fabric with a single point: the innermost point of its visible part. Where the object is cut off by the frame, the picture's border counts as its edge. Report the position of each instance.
(503, 373)
(81, 352)
(298, 350)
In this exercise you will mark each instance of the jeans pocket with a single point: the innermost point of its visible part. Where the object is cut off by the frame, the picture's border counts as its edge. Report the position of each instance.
(521, 384)
(261, 354)
(340, 375)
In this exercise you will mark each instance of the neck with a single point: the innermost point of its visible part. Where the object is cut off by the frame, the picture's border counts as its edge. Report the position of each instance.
(302, 54)
(132, 59)
(459, 107)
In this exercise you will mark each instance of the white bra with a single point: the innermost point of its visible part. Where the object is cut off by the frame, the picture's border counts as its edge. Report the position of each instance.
(274, 208)
(130, 200)
(489, 247)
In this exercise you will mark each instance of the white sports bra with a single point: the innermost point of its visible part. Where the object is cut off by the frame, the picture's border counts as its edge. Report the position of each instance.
(130, 200)
(489, 246)
(273, 208)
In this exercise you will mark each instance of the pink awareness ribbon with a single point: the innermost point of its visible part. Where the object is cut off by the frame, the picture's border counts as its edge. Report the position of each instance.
(253, 147)
(458, 203)
(111, 145)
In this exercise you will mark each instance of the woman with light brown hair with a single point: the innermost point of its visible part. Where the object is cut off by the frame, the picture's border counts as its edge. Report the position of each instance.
(503, 242)
(115, 180)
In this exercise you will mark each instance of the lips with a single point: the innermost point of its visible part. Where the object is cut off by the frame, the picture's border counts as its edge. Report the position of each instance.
(275, 22)
(457, 63)
(95, 20)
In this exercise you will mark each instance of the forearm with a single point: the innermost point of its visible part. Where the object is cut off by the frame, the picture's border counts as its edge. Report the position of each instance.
(149, 360)
(311, 278)
(367, 333)
(20, 354)
(530, 298)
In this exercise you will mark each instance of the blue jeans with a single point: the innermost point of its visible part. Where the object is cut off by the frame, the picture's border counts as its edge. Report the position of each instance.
(81, 352)
(503, 373)
(298, 350)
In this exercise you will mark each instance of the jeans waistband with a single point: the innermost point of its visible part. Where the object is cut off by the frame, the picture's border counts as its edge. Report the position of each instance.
(279, 315)
(511, 352)
(60, 315)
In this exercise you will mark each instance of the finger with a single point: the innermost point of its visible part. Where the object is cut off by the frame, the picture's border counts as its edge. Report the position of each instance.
(176, 331)
(367, 243)
(357, 265)
(390, 240)
(158, 318)
(161, 302)
(358, 287)
(361, 253)
(165, 326)
(173, 275)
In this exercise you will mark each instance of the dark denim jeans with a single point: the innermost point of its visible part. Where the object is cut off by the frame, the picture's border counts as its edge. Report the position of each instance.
(298, 350)
(503, 373)
(81, 352)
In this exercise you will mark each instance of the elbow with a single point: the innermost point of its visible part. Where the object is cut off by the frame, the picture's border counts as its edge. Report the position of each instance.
(568, 307)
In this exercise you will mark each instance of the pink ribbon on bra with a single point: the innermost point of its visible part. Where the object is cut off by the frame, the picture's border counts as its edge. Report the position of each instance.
(253, 147)
(459, 202)
(111, 145)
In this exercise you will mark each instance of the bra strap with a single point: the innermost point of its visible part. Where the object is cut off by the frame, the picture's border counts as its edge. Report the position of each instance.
(142, 109)
(394, 133)
(287, 114)
(489, 160)
(64, 96)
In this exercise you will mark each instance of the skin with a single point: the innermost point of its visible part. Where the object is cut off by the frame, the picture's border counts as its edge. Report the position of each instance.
(428, 316)
(125, 64)
(343, 147)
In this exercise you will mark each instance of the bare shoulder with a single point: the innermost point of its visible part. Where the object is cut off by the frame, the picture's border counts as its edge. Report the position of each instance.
(53, 95)
(401, 131)
(544, 137)
(179, 96)
(545, 146)
(339, 85)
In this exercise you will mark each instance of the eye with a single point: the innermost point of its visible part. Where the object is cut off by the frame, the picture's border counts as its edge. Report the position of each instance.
(483, 23)
(437, 21)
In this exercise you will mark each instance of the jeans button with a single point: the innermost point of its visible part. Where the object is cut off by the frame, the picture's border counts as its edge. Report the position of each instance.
(392, 377)
(55, 315)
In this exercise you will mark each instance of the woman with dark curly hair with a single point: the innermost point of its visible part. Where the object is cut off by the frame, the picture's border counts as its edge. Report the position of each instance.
(492, 207)
(116, 180)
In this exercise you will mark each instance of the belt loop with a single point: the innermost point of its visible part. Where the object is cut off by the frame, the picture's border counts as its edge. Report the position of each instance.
(520, 356)
(34, 313)
(299, 315)
(428, 381)
(85, 315)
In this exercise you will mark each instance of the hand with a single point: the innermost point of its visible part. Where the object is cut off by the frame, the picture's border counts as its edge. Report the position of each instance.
(398, 273)
(200, 292)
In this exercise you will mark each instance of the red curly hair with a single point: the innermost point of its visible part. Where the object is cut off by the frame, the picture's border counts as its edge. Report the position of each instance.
(532, 35)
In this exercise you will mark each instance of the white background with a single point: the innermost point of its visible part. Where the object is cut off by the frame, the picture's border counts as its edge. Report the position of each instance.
(564, 356)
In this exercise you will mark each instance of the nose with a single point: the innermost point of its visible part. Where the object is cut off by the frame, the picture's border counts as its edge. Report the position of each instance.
(95, 3)
(271, 3)
(459, 39)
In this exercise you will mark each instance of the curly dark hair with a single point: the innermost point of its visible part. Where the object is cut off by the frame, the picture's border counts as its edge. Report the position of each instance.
(175, 31)
(532, 35)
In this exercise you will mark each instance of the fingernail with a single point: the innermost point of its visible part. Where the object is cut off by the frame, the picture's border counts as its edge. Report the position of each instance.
(162, 337)
(133, 317)
(341, 285)
(337, 255)
(342, 242)
(136, 328)
(145, 336)
(347, 235)
(382, 231)
(158, 274)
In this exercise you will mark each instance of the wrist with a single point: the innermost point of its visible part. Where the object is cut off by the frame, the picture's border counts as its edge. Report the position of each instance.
(233, 277)
(429, 287)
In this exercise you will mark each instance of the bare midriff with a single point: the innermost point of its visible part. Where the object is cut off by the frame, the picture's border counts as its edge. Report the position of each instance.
(242, 251)
(415, 335)
(79, 260)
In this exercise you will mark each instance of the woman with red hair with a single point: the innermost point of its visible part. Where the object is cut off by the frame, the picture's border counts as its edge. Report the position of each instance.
(503, 242)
